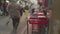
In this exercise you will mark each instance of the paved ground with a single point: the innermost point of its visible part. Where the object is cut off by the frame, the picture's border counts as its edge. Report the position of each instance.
(22, 28)
(4, 29)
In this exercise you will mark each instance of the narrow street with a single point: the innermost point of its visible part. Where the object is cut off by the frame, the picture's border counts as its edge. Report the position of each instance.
(4, 29)
(7, 29)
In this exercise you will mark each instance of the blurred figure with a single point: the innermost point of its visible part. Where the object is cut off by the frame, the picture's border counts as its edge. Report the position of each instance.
(0, 4)
(1, 11)
(5, 4)
(15, 13)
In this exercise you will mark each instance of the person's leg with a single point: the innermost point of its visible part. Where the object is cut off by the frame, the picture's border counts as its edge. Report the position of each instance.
(14, 21)
(17, 23)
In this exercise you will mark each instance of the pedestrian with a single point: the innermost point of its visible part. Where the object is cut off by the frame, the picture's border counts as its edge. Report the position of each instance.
(0, 4)
(6, 5)
(14, 12)
(4, 8)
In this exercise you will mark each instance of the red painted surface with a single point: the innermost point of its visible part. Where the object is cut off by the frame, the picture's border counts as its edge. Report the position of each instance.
(42, 19)
(37, 21)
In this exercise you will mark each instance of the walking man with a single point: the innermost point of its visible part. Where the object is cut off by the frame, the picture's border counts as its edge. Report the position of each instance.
(14, 12)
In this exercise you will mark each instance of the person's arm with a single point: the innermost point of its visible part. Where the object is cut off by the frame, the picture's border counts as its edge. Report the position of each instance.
(23, 10)
(19, 10)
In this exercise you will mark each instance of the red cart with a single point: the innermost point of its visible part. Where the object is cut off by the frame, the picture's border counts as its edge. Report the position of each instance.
(38, 23)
